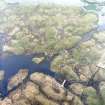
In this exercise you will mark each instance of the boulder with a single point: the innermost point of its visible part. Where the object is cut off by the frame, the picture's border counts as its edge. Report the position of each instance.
(100, 75)
(38, 60)
(77, 88)
(42, 89)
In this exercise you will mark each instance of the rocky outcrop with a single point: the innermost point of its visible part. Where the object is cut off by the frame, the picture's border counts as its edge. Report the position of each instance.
(17, 79)
(6, 101)
(40, 89)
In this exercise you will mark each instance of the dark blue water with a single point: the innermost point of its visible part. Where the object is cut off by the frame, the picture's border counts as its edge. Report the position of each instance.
(12, 63)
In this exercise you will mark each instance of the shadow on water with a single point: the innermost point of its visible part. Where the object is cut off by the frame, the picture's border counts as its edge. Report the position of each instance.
(12, 63)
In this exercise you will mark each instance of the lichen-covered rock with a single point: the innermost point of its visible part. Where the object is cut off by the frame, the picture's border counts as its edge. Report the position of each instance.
(50, 87)
(33, 93)
(6, 101)
(100, 75)
(85, 72)
(62, 64)
(92, 98)
(100, 37)
(77, 88)
(77, 101)
(17, 79)
(41, 89)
